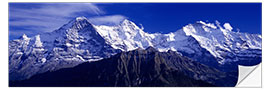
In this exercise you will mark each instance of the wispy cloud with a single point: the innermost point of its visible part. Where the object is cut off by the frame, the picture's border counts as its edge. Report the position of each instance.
(30, 18)
(46, 17)
(107, 20)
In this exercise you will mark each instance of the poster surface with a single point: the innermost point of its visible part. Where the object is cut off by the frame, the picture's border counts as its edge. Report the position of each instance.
(135, 44)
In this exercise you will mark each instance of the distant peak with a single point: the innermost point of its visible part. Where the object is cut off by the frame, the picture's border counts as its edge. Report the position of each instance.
(218, 24)
(212, 25)
(78, 22)
(81, 18)
(38, 42)
(201, 22)
(129, 25)
(24, 37)
(228, 26)
(126, 21)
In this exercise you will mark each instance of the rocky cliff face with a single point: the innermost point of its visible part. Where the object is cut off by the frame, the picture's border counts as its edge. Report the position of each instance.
(135, 68)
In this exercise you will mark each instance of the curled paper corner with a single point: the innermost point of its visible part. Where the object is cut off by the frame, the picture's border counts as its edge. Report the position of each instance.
(249, 76)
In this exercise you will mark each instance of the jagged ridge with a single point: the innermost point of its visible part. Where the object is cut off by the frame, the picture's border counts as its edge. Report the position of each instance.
(134, 68)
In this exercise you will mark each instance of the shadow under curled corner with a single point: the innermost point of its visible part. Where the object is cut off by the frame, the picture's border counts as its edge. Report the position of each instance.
(249, 76)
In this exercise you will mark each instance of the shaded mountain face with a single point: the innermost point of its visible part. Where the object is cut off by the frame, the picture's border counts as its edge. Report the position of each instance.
(80, 41)
(134, 68)
(72, 44)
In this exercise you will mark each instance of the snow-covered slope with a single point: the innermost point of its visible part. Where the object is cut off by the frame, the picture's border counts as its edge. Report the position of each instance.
(221, 41)
(198, 39)
(74, 43)
(80, 41)
(126, 36)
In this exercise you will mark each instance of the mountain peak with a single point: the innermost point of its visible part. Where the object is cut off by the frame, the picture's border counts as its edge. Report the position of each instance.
(228, 26)
(81, 18)
(211, 25)
(24, 37)
(38, 42)
(130, 28)
(78, 22)
(127, 22)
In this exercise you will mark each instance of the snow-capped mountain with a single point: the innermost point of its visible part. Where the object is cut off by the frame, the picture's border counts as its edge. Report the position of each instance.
(200, 40)
(126, 36)
(80, 41)
(72, 44)
(222, 42)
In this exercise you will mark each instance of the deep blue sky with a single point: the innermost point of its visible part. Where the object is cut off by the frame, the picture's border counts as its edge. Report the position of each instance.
(155, 17)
